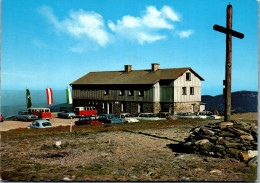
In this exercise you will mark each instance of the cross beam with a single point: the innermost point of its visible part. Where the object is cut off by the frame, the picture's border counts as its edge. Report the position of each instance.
(227, 82)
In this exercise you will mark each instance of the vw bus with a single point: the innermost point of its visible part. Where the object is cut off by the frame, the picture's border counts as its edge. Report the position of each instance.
(42, 113)
(86, 111)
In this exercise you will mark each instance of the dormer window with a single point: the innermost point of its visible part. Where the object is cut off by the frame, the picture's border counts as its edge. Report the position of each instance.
(121, 92)
(130, 92)
(140, 93)
(105, 92)
(188, 76)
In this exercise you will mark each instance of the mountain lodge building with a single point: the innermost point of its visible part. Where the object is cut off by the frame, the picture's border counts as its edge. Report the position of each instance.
(134, 91)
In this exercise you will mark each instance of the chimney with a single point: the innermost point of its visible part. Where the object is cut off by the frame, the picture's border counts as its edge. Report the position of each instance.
(155, 67)
(128, 68)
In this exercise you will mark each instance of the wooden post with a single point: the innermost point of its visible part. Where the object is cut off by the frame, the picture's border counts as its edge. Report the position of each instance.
(228, 65)
(227, 82)
(70, 125)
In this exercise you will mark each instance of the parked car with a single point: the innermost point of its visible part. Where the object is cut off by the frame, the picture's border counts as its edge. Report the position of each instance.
(2, 118)
(25, 116)
(66, 114)
(149, 117)
(185, 115)
(109, 118)
(85, 120)
(214, 117)
(127, 118)
(40, 123)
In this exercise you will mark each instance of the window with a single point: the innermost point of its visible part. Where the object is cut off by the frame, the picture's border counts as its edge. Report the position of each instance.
(105, 92)
(121, 92)
(184, 91)
(140, 93)
(188, 76)
(191, 90)
(130, 92)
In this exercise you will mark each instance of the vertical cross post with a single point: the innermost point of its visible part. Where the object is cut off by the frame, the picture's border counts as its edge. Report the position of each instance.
(228, 66)
(227, 82)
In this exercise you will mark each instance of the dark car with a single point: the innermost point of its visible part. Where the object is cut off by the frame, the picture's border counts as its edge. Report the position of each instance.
(109, 118)
(85, 120)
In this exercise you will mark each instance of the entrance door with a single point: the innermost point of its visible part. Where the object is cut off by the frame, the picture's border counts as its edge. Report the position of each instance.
(194, 108)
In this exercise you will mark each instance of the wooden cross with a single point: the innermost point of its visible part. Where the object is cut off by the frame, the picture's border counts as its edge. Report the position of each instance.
(227, 82)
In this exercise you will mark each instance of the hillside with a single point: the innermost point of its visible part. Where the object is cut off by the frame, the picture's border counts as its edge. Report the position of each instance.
(241, 101)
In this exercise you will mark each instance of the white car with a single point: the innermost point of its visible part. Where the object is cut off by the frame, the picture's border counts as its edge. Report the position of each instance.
(127, 118)
(214, 117)
(149, 117)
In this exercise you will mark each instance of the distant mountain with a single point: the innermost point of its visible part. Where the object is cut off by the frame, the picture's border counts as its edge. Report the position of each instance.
(241, 101)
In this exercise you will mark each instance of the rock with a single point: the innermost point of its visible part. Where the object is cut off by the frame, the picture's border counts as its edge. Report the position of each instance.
(132, 176)
(233, 152)
(220, 148)
(66, 179)
(208, 132)
(226, 134)
(252, 154)
(224, 125)
(244, 156)
(243, 126)
(187, 144)
(254, 132)
(237, 131)
(247, 137)
(201, 142)
(221, 141)
(216, 171)
(224, 139)
(207, 147)
(252, 162)
(233, 145)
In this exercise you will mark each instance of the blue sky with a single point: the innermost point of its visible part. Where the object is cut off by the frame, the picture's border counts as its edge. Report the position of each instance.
(51, 43)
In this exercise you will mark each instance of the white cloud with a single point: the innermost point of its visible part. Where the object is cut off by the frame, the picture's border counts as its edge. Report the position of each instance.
(186, 33)
(80, 24)
(148, 26)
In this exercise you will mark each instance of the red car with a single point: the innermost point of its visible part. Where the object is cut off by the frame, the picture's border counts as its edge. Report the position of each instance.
(2, 118)
(86, 120)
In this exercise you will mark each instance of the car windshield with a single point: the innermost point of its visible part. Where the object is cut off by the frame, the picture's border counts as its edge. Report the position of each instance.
(110, 116)
(46, 124)
(92, 118)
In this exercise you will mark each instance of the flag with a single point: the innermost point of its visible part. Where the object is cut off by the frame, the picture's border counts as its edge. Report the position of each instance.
(49, 96)
(28, 99)
(68, 95)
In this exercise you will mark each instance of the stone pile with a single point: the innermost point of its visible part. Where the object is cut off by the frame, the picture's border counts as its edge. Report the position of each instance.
(225, 139)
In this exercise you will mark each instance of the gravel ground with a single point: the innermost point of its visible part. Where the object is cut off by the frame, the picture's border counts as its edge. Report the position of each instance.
(102, 155)
(8, 125)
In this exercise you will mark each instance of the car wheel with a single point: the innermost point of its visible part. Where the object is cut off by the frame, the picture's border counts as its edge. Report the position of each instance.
(26, 119)
(15, 118)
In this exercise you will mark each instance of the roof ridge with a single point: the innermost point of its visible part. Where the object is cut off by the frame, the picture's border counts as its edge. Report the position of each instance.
(141, 70)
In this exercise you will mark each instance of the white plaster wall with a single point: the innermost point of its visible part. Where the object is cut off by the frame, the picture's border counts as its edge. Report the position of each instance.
(181, 82)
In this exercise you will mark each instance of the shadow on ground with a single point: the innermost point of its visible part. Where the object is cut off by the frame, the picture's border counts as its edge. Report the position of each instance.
(150, 135)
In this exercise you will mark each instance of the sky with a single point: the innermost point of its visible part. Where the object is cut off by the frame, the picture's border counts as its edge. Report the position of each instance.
(51, 43)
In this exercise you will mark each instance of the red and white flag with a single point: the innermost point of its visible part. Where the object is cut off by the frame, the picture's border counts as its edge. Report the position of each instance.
(49, 96)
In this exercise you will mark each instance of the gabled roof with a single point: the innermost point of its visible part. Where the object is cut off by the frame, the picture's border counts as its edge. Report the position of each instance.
(132, 77)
